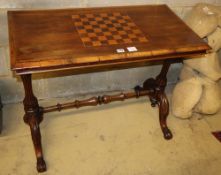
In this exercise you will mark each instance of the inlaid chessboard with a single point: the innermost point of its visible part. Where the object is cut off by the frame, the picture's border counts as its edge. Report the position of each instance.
(107, 29)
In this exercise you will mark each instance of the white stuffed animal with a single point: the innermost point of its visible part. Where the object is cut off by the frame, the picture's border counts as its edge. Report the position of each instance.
(198, 89)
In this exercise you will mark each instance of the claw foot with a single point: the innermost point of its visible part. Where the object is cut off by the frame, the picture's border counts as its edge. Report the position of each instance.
(41, 165)
(167, 133)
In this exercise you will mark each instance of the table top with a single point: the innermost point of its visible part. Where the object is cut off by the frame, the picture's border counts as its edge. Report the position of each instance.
(84, 38)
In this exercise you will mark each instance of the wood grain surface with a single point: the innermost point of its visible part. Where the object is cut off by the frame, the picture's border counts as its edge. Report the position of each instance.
(47, 40)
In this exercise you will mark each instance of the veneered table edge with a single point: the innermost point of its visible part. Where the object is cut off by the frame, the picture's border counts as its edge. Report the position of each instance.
(109, 65)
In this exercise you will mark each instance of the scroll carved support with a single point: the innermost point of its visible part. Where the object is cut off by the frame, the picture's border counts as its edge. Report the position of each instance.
(158, 97)
(33, 117)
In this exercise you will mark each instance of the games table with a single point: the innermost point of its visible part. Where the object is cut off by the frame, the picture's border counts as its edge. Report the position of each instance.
(86, 39)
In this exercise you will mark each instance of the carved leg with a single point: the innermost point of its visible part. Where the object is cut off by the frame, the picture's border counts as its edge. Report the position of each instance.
(158, 97)
(33, 116)
(163, 113)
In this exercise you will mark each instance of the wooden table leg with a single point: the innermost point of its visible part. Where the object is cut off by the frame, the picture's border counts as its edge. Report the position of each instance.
(33, 116)
(158, 97)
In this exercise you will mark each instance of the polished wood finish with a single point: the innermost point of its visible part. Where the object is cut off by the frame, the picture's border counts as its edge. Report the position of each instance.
(158, 97)
(44, 40)
(94, 101)
(33, 117)
(79, 40)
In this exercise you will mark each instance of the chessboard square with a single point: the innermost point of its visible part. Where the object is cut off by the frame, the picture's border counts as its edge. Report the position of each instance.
(98, 19)
(95, 26)
(117, 25)
(122, 32)
(117, 37)
(80, 27)
(84, 19)
(104, 42)
(100, 34)
(105, 30)
(85, 39)
(119, 28)
(96, 15)
(103, 26)
(119, 17)
(124, 36)
(107, 22)
(111, 42)
(127, 40)
(82, 31)
(89, 30)
(137, 31)
(77, 20)
(127, 22)
(114, 32)
(126, 17)
(89, 15)
(110, 37)
(97, 30)
(78, 23)
(102, 38)
(112, 18)
(93, 22)
(112, 29)
(110, 25)
(122, 21)
(120, 41)
(143, 39)
(105, 18)
(126, 28)
(88, 44)
(88, 27)
(96, 43)
(91, 19)
(100, 22)
(86, 23)
(92, 34)
(95, 38)
(135, 39)
(107, 33)
(103, 14)
(114, 21)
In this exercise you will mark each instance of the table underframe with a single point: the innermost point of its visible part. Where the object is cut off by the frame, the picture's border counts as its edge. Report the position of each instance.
(154, 88)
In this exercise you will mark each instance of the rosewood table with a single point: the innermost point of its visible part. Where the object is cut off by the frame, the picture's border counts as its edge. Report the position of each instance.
(97, 39)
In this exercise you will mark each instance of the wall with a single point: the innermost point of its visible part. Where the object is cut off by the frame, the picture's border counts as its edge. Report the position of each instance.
(49, 86)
